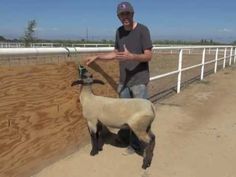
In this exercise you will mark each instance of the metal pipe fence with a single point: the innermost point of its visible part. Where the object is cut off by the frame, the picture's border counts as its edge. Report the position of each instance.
(231, 59)
(50, 45)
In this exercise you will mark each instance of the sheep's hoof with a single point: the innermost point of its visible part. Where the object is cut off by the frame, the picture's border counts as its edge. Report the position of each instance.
(93, 153)
(146, 164)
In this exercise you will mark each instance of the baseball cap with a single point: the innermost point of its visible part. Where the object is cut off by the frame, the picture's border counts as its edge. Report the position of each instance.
(124, 7)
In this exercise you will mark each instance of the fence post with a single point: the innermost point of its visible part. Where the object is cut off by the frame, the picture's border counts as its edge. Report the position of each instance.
(203, 63)
(180, 70)
(231, 55)
(224, 58)
(216, 60)
(234, 54)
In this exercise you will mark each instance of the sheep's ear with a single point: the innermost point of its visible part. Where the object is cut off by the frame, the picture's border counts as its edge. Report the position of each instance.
(95, 81)
(77, 82)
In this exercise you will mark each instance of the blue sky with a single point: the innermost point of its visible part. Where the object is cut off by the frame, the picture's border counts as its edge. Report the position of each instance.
(74, 19)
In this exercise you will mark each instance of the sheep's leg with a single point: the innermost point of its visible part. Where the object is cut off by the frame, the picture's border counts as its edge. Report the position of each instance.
(148, 143)
(99, 136)
(94, 138)
(94, 142)
(148, 151)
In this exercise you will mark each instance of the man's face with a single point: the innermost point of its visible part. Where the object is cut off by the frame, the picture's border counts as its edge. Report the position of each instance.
(126, 18)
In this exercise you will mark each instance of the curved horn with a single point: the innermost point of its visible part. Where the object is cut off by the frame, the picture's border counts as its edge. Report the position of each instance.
(96, 81)
(76, 82)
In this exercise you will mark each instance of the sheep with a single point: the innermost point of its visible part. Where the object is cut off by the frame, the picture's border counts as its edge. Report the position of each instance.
(136, 113)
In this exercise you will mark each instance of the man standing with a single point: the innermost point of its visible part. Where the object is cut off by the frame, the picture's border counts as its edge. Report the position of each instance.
(133, 50)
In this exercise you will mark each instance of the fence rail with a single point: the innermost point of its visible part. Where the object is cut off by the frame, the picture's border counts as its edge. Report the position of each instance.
(231, 57)
(50, 45)
(229, 53)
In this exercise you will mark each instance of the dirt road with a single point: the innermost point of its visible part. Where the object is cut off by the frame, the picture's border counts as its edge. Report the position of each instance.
(196, 137)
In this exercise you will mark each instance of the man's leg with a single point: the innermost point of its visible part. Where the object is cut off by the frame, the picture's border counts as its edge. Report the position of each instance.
(124, 92)
(124, 133)
(138, 91)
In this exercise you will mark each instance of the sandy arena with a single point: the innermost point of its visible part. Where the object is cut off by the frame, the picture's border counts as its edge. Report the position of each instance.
(196, 137)
(41, 122)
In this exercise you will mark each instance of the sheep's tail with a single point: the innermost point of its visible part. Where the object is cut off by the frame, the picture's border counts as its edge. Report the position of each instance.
(154, 111)
(154, 116)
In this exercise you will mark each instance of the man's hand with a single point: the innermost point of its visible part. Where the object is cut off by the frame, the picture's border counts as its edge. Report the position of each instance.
(89, 60)
(105, 57)
(126, 55)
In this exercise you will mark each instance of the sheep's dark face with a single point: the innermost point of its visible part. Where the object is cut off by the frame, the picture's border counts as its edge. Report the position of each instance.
(85, 75)
(86, 78)
(83, 72)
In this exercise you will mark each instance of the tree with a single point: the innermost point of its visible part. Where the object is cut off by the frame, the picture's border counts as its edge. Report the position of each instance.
(29, 33)
(2, 38)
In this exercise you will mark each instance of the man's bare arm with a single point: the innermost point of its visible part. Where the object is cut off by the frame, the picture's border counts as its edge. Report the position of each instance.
(106, 56)
(121, 56)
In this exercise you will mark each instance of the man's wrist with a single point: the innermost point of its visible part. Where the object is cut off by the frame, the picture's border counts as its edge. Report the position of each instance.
(133, 56)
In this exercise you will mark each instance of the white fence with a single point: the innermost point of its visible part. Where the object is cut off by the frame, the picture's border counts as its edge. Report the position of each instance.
(229, 54)
(231, 58)
(49, 45)
(11, 45)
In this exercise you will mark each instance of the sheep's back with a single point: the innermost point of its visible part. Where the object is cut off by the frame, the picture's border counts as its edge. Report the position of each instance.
(117, 112)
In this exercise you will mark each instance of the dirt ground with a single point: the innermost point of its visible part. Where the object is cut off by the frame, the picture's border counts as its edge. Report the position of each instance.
(196, 137)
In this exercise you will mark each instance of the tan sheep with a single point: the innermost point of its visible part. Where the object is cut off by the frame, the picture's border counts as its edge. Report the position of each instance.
(135, 113)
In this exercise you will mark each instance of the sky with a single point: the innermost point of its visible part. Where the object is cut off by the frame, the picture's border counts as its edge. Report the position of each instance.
(96, 19)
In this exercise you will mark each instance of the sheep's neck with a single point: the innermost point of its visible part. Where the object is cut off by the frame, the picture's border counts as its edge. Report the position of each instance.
(86, 93)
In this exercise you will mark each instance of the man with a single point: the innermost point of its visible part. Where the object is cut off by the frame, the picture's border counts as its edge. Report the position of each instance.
(133, 50)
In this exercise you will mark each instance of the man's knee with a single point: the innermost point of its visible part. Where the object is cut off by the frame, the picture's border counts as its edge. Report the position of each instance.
(139, 91)
(124, 92)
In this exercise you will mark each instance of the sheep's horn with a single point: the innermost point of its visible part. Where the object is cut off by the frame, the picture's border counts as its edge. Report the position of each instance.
(96, 81)
(77, 82)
